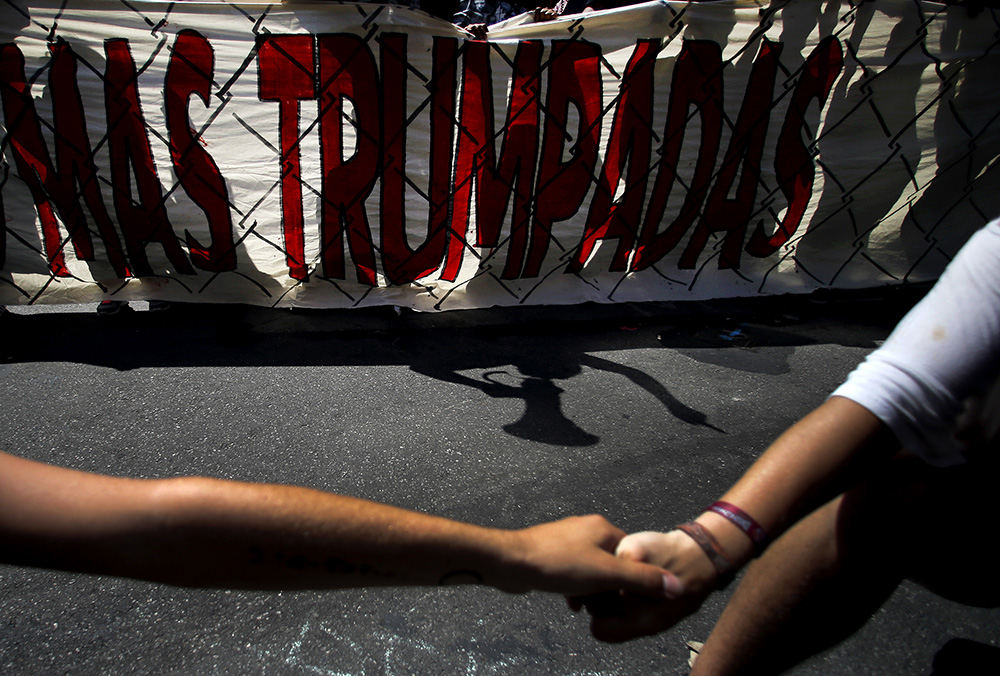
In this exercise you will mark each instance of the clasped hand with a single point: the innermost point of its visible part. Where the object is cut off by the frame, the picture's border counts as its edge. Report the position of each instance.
(621, 616)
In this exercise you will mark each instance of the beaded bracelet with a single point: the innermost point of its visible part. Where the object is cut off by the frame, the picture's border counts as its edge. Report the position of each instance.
(744, 522)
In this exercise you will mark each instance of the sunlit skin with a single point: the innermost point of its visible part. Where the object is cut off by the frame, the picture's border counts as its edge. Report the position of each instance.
(204, 532)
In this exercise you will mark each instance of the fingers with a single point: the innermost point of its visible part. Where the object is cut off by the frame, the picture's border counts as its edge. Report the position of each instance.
(595, 528)
(640, 582)
(615, 619)
(647, 580)
(651, 598)
(612, 535)
(629, 571)
(672, 586)
(575, 556)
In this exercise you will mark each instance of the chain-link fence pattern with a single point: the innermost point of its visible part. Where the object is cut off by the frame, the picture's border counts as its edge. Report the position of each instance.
(341, 155)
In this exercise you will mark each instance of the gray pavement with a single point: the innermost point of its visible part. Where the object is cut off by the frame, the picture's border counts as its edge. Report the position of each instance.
(501, 417)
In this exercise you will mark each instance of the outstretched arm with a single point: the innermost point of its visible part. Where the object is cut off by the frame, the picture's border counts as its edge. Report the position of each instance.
(203, 532)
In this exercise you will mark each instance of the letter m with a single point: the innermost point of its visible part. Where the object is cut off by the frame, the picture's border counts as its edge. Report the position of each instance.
(53, 189)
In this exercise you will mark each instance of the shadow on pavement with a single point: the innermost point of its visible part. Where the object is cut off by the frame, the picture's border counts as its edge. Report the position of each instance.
(962, 657)
(546, 341)
(519, 353)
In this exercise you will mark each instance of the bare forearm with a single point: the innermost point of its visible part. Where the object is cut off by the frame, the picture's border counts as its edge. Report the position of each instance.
(805, 466)
(208, 532)
(286, 537)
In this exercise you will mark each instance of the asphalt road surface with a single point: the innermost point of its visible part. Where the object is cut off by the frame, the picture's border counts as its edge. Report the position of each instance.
(644, 413)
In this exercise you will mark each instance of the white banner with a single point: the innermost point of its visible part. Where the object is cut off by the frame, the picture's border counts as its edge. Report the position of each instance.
(331, 155)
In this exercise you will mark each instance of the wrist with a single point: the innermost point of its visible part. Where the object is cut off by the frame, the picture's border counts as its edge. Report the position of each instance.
(507, 563)
(688, 561)
(743, 521)
(737, 546)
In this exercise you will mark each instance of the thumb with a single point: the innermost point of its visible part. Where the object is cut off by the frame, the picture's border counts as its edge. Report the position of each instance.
(649, 580)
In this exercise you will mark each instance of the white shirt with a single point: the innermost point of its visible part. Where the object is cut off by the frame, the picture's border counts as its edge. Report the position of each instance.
(946, 350)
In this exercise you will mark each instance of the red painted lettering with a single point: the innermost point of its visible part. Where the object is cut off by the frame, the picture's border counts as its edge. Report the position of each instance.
(629, 143)
(697, 81)
(190, 72)
(74, 162)
(347, 73)
(574, 79)
(286, 74)
(793, 163)
(402, 263)
(477, 170)
(146, 220)
(745, 148)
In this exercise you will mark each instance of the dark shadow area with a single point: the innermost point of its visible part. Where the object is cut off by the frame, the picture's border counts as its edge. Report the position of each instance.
(506, 353)
(519, 353)
(534, 361)
(962, 657)
(240, 335)
(733, 333)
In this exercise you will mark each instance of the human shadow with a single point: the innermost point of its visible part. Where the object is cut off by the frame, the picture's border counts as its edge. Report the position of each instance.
(543, 419)
(875, 97)
(964, 193)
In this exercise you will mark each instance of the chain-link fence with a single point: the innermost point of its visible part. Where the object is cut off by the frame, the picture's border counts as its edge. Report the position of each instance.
(331, 154)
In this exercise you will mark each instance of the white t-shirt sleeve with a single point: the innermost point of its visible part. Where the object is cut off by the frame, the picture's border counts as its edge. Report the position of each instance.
(945, 350)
